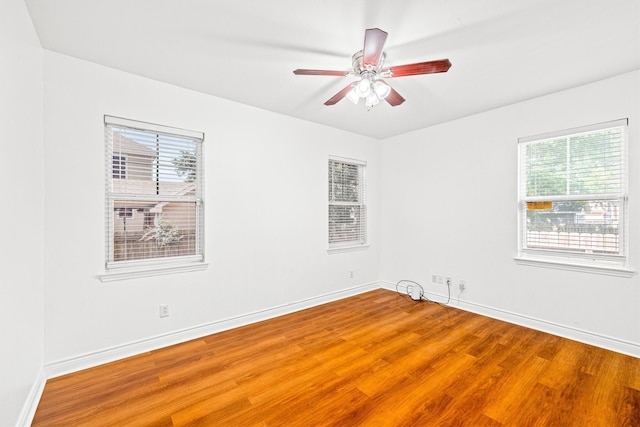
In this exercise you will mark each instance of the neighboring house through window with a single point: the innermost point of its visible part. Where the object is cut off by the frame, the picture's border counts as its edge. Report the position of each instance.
(347, 204)
(154, 195)
(573, 196)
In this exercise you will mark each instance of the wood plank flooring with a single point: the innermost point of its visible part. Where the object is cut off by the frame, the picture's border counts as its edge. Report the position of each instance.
(376, 359)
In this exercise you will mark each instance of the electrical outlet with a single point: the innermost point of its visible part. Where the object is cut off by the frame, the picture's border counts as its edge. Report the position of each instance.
(440, 280)
(434, 279)
(462, 285)
(351, 274)
(164, 310)
(448, 281)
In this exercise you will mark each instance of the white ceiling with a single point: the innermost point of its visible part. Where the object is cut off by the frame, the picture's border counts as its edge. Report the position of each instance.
(502, 51)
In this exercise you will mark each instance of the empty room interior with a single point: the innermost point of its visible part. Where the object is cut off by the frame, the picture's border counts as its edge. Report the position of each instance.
(320, 213)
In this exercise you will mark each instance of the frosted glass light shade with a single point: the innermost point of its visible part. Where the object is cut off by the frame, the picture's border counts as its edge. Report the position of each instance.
(381, 89)
(353, 96)
(364, 87)
(372, 99)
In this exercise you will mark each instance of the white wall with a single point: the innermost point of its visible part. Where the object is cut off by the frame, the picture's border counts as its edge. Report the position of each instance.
(266, 210)
(449, 189)
(21, 215)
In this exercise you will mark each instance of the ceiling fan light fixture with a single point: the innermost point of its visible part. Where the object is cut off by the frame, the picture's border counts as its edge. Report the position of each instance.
(372, 99)
(381, 89)
(364, 87)
(353, 96)
(368, 65)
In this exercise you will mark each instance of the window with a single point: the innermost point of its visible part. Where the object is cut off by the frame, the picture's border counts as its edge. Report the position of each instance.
(119, 167)
(125, 213)
(154, 207)
(347, 204)
(573, 195)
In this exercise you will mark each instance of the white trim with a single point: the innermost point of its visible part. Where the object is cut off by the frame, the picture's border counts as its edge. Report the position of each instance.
(149, 271)
(591, 338)
(95, 358)
(25, 418)
(135, 124)
(348, 160)
(573, 258)
(350, 248)
(576, 130)
(567, 264)
(153, 263)
(621, 197)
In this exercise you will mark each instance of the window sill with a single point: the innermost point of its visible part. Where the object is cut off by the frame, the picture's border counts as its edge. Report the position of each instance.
(342, 249)
(610, 270)
(150, 271)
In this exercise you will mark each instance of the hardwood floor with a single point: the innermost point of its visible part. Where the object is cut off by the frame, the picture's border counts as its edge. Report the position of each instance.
(376, 359)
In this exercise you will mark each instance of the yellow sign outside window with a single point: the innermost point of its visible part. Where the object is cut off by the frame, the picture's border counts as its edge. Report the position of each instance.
(539, 206)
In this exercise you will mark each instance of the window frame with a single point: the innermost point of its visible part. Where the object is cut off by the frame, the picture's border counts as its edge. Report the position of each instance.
(362, 241)
(143, 267)
(593, 263)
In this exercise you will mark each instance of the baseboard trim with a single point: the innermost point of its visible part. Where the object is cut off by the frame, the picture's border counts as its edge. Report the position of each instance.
(89, 360)
(30, 405)
(610, 343)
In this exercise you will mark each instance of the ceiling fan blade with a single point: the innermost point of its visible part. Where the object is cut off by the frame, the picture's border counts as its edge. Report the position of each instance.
(429, 67)
(394, 98)
(374, 39)
(338, 96)
(303, 72)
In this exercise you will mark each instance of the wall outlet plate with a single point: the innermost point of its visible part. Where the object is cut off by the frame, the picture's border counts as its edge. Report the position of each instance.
(164, 310)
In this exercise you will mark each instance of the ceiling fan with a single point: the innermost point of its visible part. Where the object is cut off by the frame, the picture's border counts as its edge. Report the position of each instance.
(368, 64)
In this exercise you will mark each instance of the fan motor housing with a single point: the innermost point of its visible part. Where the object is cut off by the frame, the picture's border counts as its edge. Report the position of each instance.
(359, 67)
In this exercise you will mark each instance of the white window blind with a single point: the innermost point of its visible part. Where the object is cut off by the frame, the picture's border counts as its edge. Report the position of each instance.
(154, 207)
(347, 203)
(573, 193)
